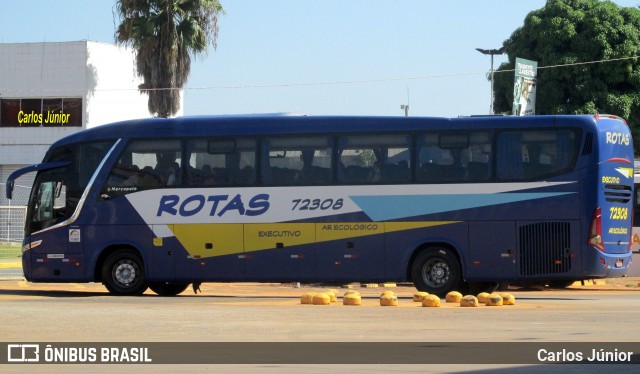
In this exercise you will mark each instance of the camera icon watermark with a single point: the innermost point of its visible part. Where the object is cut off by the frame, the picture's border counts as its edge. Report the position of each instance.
(23, 353)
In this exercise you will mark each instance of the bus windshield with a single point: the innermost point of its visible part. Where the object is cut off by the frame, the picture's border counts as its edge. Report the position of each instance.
(57, 191)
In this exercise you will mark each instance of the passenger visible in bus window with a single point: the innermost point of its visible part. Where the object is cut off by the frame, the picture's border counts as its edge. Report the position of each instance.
(374, 172)
(165, 161)
(148, 179)
(174, 175)
(122, 175)
(207, 179)
(228, 176)
(455, 171)
(132, 179)
(302, 174)
(316, 168)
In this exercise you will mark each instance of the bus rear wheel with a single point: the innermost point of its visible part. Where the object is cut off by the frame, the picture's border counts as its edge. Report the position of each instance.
(436, 271)
(168, 288)
(123, 273)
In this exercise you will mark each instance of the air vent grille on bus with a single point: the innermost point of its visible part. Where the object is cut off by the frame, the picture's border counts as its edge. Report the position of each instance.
(545, 248)
(617, 193)
(588, 144)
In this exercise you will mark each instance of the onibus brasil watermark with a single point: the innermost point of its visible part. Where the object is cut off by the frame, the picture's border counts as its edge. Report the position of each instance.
(33, 353)
(317, 353)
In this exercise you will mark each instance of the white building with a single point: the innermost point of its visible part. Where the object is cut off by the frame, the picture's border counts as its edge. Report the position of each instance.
(51, 90)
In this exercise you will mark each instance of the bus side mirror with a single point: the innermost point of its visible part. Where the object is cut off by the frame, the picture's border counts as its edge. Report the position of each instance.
(9, 187)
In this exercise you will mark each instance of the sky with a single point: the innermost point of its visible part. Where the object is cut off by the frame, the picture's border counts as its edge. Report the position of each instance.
(320, 57)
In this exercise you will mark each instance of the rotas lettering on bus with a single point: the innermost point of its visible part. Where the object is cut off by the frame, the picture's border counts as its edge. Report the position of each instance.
(215, 205)
(617, 138)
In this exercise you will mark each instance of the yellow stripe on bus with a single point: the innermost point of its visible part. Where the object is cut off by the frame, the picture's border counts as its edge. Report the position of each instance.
(210, 240)
(402, 226)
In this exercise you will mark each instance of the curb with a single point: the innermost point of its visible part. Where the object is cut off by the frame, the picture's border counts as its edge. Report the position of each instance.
(10, 266)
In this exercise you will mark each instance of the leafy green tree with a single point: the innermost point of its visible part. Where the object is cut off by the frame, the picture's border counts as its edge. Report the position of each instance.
(572, 32)
(164, 34)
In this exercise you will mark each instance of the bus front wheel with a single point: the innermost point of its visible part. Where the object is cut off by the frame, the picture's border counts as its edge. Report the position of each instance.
(167, 288)
(123, 273)
(436, 271)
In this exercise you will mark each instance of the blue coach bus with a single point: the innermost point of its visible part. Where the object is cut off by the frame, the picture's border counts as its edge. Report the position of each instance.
(443, 203)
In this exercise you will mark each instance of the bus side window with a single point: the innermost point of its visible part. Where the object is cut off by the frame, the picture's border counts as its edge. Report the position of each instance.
(145, 164)
(454, 157)
(220, 162)
(298, 161)
(535, 155)
(375, 159)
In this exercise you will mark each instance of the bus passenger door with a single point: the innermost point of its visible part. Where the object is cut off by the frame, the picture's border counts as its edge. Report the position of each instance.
(492, 251)
(53, 206)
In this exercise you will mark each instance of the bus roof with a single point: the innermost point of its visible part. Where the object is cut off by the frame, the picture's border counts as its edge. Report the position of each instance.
(264, 124)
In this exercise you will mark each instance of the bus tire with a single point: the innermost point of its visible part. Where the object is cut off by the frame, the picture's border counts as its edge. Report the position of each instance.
(168, 288)
(123, 273)
(436, 271)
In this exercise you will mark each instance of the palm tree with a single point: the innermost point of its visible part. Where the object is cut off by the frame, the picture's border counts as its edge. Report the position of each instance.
(163, 34)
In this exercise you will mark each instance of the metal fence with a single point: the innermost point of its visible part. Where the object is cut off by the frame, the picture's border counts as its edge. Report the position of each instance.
(13, 214)
(12, 223)
(12, 219)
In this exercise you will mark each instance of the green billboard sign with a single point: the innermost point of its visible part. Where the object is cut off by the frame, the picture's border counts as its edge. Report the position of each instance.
(524, 87)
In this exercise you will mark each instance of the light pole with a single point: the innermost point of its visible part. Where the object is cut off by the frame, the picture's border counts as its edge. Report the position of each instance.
(491, 52)
(406, 107)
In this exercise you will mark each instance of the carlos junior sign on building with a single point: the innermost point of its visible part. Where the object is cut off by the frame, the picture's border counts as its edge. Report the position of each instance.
(41, 112)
